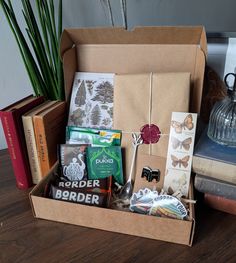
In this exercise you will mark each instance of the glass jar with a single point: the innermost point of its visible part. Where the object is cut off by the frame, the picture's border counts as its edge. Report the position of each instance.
(222, 123)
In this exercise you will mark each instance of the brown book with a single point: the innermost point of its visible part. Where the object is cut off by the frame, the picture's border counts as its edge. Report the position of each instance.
(13, 129)
(214, 186)
(221, 203)
(28, 125)
(49, 128)
(214, 160)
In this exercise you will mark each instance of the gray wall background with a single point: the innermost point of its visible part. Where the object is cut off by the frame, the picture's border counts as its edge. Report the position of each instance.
(216, 15)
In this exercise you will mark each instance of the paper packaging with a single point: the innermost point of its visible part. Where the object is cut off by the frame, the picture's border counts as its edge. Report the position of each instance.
(148, 49)
(137, 104)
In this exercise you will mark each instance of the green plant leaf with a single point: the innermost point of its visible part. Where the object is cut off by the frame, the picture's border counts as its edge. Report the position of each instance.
(43, 66)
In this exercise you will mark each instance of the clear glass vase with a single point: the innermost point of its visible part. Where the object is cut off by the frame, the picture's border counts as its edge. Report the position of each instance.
(222, 123)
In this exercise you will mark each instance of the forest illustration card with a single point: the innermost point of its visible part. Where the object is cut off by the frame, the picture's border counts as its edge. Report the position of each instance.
(91, 102)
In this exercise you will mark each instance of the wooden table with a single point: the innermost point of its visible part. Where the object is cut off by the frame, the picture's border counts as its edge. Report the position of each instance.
(26, 239)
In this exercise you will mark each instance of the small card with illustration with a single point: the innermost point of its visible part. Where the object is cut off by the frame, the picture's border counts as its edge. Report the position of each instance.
(180, 152)
(73, 162)
(91, 103)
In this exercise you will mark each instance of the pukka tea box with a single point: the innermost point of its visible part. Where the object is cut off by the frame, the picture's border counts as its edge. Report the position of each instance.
(105, 161)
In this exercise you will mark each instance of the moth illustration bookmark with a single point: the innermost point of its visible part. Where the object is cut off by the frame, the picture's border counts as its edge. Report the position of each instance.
(180, 152)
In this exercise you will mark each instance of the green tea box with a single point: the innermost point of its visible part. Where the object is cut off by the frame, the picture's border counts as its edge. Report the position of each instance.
(105, 161)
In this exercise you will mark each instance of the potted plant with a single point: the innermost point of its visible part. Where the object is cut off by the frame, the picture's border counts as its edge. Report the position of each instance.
(41, 56)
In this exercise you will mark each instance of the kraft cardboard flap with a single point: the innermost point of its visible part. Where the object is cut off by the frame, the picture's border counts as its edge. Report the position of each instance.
(132, 58)
(140, 35)
(69, 68)
(144, 49)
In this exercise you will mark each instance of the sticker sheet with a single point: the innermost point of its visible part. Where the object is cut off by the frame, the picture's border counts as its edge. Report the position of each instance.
(91, 102)
(180, 152)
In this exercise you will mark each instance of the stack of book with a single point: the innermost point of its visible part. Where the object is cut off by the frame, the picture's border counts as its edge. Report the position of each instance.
(33, 127)
(215, 168)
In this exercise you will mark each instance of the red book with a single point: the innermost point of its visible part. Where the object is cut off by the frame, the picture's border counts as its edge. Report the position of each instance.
(221, 203)
(11, 118)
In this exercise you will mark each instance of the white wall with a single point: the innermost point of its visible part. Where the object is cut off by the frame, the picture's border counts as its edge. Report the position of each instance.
(14, 82)
(230, 64)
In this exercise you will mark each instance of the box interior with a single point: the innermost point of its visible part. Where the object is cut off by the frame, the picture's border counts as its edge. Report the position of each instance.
(167, 229)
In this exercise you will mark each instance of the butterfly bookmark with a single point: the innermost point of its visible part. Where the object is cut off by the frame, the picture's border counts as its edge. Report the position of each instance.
(180, 152)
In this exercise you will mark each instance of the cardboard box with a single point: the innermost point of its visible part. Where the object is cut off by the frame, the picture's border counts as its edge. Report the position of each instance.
(166, 229)
(115, 50)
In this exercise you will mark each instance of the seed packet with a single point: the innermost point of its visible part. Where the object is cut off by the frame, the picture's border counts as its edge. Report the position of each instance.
(95, 137)
(105, 161)
(72, 161)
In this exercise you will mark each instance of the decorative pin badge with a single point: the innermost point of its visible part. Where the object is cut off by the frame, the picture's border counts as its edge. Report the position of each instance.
(150, 133)
(150, 174)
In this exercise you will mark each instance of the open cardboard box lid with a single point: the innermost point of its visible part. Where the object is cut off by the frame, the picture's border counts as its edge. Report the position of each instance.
(142, 50)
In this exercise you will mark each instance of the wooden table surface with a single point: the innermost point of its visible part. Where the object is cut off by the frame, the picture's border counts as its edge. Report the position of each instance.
(26, 239)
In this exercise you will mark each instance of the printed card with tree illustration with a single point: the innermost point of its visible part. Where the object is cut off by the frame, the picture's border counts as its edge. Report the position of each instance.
(91, 102)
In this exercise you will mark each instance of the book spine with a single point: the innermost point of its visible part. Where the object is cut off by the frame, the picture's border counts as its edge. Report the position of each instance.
(32, 149)
(41, 143)
(220, 203)
(213, 186)
(16, 149)
(218, 170)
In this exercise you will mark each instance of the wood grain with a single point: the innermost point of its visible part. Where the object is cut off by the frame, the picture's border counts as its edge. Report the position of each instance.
(26, 239)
